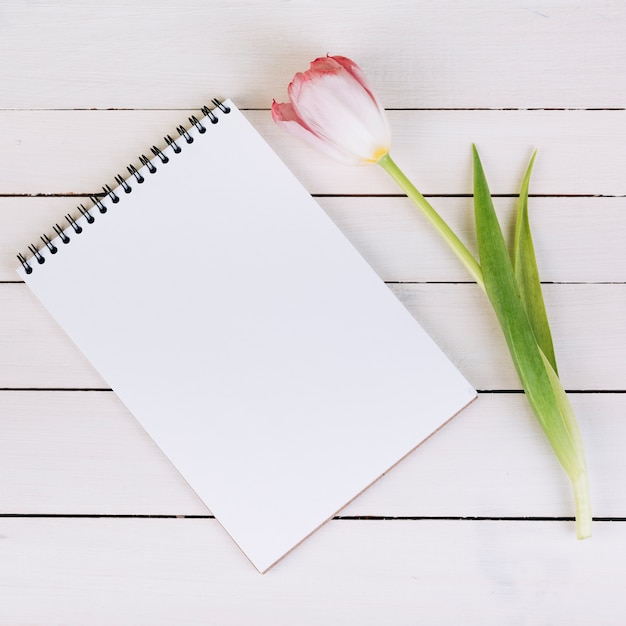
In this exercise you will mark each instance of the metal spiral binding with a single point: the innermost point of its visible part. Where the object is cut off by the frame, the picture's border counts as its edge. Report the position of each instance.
(193, 120)
(208, 113)
(183, 132)
(126, 184)
(171, 143)
(61, 233)
(109, 192)
(53, 249)
(86, 214)
(145, 161)
(133, 171)
(123, 184)
(78, 229)
(158, 153)
(97, 202)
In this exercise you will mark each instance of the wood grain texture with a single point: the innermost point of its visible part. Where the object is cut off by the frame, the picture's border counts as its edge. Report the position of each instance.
(397, 242)
(82, 453)
(587, 321)
(433, 147)
(359, 572)
(159, 55)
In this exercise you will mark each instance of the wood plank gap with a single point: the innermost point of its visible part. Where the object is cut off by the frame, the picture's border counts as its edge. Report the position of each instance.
(480, 391)
(463, 195)
(101, 516)
(100, 194)
(471, 282)
(51, 195)
(594, 108)
(267, 109)
(345, 518)
(60, 389)
(469, 518)
(570, 391)
(431, 282)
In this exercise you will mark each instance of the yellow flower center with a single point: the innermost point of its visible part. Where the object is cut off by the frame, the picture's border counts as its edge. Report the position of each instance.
(379, 154)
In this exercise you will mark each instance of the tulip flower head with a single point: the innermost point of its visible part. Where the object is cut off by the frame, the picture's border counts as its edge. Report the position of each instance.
(333, 108)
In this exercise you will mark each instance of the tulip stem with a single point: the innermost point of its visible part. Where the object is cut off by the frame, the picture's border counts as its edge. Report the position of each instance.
(582, 503)
(455, 244)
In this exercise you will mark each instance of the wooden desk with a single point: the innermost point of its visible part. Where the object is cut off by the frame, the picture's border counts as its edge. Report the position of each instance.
(96, 527)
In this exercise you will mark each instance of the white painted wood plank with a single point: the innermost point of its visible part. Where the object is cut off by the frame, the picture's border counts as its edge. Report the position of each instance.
(26, 349)
(580, 152)
(134, 572)
(426, 54)
(587, 321)
(83, 453)
(494, 461)
(576, 239)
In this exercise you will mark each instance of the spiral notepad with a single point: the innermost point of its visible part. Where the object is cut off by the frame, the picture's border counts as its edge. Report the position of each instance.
(257, 348)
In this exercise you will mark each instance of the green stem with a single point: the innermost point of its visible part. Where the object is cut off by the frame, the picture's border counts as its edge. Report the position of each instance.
(582, 503)
(577, 471)
(576, 468)
(455, 244)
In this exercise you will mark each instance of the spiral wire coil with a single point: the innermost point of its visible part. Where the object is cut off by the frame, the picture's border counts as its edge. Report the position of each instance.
(109, 195)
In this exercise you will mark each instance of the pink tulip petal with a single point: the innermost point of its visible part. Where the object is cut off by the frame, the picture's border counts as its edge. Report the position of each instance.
(324, 64)
(284, 115)
(283, 112)
(351, 67)
(335, 107)
(332, 107)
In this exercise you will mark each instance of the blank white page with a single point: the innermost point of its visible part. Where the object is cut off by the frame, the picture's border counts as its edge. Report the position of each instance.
(253, 343)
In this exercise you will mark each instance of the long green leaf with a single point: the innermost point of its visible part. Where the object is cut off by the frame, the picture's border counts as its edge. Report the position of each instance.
(530, 363)
(527, 274)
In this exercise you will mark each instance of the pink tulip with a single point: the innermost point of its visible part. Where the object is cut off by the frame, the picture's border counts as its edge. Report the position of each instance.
(333, 108)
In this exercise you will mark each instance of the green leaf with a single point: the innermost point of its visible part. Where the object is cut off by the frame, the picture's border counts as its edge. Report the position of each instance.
(531, 365)
(527, 274)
